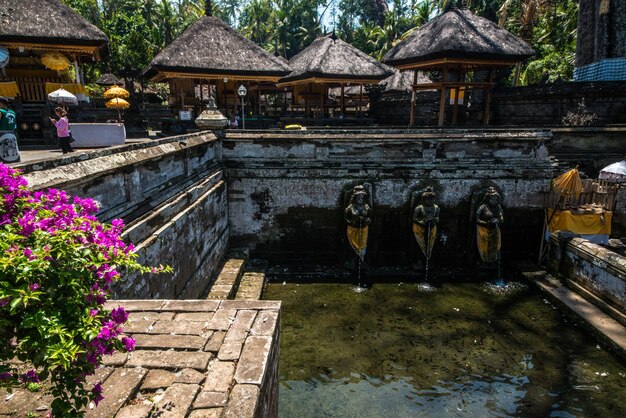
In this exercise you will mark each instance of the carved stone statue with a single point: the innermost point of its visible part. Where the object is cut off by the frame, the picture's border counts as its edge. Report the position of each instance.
(489, 217)
(425, 219)
(357, 216)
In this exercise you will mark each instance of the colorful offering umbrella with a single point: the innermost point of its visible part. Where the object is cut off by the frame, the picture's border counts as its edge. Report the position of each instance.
(62, 96)
(55, 61)
(116, 92)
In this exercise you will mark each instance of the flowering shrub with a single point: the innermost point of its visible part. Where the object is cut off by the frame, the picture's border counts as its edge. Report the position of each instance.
(57, 265)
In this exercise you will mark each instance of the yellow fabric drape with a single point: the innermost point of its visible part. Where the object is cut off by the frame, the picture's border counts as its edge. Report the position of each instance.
(358, 239)
(9, 89)
(489, 243)
(420, 236)
(568, 183)
(591, 223)
(73, 88)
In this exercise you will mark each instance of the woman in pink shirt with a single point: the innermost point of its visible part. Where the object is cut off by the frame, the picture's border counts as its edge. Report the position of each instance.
(63, 130)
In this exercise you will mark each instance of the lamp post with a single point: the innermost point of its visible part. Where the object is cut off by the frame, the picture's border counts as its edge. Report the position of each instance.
(242, 93)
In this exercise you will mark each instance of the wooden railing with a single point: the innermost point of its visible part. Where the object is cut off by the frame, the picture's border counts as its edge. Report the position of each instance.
(598, 192)
(32, 89)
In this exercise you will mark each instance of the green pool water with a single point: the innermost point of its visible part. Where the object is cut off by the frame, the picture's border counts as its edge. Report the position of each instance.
(456, 350)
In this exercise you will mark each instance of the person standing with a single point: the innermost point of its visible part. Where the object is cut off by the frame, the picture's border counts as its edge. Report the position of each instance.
(9, 151)
(63, 130)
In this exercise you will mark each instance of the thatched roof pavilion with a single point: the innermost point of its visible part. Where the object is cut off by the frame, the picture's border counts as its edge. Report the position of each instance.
(212, 52)
(49, 25)
(331, 62)
(458, 41)
(108, 79)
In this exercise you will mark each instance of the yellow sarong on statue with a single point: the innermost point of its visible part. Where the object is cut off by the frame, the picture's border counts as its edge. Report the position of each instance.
(489, 243)
(420, 236)
(358, 239)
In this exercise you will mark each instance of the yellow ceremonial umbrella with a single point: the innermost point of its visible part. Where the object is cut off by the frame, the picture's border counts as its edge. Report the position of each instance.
(568, 183)
(118, 104)
(116, 92)
(55, 61)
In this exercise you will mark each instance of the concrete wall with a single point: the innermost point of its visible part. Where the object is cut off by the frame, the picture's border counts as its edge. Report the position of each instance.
(287, 191)
(597, 269)
(171, 194)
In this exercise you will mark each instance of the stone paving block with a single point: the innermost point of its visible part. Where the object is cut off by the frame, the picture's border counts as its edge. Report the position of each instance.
(265, 323)
(210, 400)
(243, 401)
(222, 319)
(220, 376)
(179, 327)
(101, 374)
(181, 342)
(215, 341)
(150, 316)
(190, 305)
(120, 385)
(253, 360)
(158, 379)
(135, 411)
(136, 305)
(190, 376)
(207, 413)
(239, 329)
(115, 359)
(194, 316)
(250, 304)
(176, 401)
(169, 359)
(229, 351)
(141, 326)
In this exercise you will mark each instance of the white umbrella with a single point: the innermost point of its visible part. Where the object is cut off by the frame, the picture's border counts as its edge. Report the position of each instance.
(614, 172)
(63, 96)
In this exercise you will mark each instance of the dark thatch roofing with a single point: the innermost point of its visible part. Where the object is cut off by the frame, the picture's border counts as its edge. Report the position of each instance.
(403, 81)
(210, 46)
(330, 57)
(109, 79)
(458, 34)
(47, 22)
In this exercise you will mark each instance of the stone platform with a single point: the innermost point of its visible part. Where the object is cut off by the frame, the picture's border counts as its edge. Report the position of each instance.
(194, 358)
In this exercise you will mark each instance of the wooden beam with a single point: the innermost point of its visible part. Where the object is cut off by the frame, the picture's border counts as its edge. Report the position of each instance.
(452, 62)
(487, 100)
(343, 103)
(457, 91)
(412, 117)
(442, 98)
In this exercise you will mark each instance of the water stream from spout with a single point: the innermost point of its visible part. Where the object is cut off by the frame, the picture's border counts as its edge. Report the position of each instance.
(427, 246)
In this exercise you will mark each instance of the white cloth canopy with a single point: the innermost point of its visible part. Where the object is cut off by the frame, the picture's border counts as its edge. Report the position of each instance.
(614, 172)
(63, 96)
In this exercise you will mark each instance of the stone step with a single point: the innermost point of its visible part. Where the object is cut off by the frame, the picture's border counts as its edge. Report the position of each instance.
(251, 286)
(609, 331)
(227, 281)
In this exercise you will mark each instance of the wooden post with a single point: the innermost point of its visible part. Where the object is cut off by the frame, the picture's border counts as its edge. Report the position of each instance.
(343, 103)
(413, 96)
(457, 92)
(358, 109)
(322, 102)
(442, 99)
(487, 100)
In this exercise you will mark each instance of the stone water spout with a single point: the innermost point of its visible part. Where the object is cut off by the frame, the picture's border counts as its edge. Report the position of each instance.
(425, 219)
(358, 218)
(489, 217)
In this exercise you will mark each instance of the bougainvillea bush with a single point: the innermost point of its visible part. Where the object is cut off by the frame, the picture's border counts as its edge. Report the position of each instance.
(57, 265)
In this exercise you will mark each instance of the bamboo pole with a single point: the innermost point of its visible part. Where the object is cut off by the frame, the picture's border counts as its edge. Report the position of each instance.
(487, 100)
(343, 103)
(413, 97)
(442, 99)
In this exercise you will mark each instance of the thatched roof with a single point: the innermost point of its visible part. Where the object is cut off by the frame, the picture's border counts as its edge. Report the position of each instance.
(47, 22)
(458, 34)
(331, 58)
(403, 80)
(109, 79)
(211, 47)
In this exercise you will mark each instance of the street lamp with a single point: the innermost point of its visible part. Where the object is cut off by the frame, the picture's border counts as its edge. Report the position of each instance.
(242, 93)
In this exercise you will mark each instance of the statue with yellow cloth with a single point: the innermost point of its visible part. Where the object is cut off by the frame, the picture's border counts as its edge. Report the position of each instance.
(425, 219)
(357, 216)
(489, 217)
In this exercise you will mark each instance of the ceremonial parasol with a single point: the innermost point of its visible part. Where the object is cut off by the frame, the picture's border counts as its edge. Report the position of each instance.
(118, 104)
(568, 183)
(116, 92)
(55, 61)
(615, 172)
(62, 96)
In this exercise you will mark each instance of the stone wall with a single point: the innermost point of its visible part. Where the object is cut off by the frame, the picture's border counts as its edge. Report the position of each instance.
(530, 106)
(288, 190)
(172, 195)
(597, 269)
